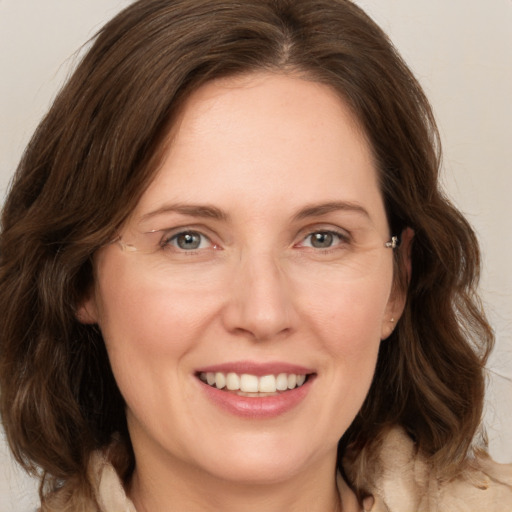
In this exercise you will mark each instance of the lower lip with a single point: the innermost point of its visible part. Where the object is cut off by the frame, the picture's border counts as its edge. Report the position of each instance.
(257, 407)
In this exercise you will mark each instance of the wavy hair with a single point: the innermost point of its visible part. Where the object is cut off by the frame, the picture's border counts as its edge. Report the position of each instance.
(98, 148)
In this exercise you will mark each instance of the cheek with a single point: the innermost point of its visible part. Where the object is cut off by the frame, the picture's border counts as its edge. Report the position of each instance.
(351, 316)
(149, 329)
(354, 340)
(144, 323)
(346, 327)
(351, 324)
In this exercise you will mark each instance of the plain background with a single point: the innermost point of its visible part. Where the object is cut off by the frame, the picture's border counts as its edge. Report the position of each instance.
(460, 50)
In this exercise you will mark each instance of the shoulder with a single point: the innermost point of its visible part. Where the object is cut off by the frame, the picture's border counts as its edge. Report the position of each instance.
(103, 490)
(107, 485)
(402, 480)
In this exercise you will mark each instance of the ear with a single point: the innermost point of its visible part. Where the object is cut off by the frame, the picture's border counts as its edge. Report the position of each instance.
(87, 311)
(398, 296)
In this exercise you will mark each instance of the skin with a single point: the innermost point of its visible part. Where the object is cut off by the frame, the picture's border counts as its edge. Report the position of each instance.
(260, 149)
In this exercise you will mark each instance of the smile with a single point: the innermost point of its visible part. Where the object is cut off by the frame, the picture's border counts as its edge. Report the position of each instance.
(252, 385)
(254, 390)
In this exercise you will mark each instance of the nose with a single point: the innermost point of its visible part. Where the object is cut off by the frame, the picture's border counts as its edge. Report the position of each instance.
(261, 301)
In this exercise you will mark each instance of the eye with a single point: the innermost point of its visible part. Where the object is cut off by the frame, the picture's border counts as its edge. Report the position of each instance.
(189, 241)
(323, 240)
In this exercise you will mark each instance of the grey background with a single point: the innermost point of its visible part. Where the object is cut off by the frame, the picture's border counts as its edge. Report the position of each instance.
(460, 50)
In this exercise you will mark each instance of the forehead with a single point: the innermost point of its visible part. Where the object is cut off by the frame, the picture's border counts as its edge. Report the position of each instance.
(269, 142)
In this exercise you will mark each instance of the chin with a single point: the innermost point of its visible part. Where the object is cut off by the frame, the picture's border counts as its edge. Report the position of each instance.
(257, 470)
(264, 461)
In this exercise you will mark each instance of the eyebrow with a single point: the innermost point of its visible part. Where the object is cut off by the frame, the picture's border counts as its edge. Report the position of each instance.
(191, 210)
(317, 210)
(212, 212)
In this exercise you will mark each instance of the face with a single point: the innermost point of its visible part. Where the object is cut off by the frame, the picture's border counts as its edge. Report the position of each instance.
(255, 261)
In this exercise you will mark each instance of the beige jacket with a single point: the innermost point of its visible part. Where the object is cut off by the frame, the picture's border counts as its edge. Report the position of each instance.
(399, 481)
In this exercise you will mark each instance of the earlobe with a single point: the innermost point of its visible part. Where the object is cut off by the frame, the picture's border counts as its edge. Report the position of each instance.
(397, 300)
(87, 313)
(388, 325)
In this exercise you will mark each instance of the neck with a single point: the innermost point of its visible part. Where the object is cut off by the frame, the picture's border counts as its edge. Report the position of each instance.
(185, 488)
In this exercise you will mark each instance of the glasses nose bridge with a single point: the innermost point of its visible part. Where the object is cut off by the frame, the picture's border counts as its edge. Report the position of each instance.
(262, 302)
(262, 267)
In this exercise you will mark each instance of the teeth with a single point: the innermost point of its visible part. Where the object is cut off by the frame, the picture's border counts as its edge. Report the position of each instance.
(267, 384)
(282, 382)
(232, 381)
(247, 383)
(220, 380)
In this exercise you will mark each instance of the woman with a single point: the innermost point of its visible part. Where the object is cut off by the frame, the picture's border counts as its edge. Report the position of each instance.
(231, 282)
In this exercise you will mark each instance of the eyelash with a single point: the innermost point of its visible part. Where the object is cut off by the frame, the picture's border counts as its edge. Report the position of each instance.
(342, 236)
(167, 241)
(343, 239)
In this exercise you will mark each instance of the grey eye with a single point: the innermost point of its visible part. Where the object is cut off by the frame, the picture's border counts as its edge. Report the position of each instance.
(322, 239)
(188, 241)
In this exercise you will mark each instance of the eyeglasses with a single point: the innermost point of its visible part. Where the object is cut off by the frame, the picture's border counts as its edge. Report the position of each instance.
(315, 253)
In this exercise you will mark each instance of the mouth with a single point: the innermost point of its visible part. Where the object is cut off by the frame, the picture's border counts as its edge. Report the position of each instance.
(254, 390)
(257, 386)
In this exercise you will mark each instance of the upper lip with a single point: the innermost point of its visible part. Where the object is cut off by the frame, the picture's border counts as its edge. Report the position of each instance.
(255, 368)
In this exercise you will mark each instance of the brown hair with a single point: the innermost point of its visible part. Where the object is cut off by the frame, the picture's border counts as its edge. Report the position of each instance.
(98, 148)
